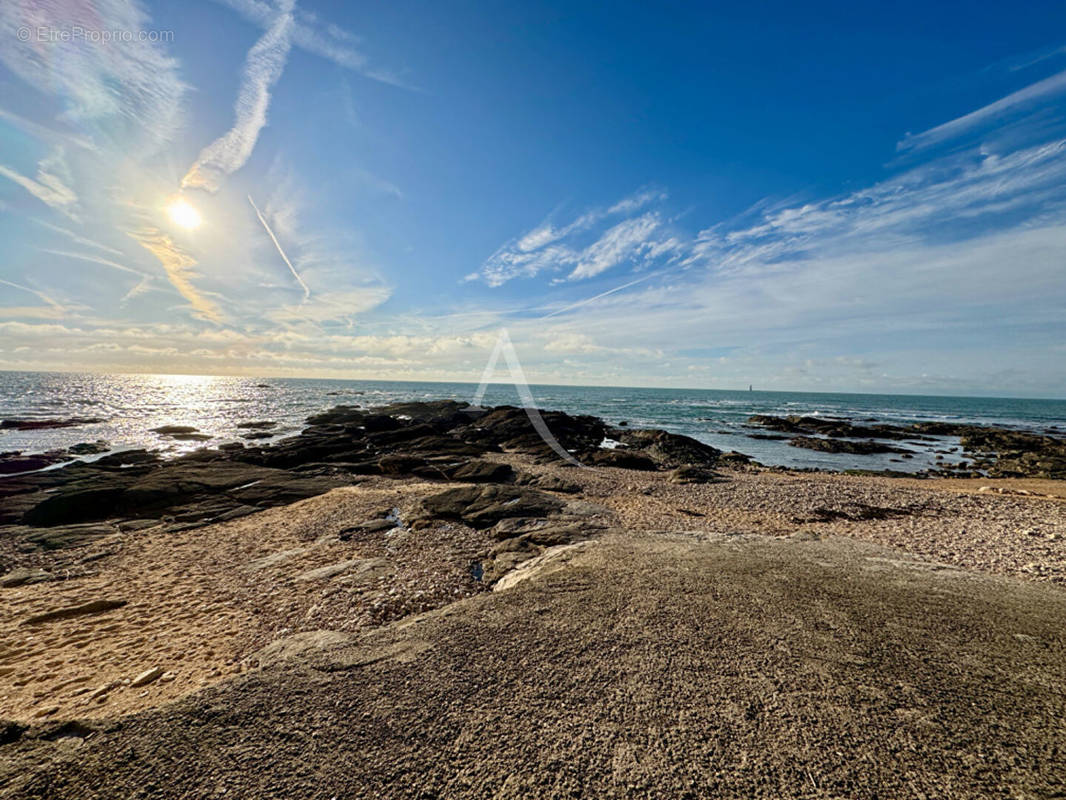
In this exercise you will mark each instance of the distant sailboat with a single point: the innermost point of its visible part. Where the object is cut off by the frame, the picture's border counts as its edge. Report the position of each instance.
(749, 387)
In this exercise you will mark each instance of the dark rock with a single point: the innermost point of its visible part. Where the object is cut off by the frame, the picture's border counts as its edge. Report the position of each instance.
(89, 448)
(844, 446)
(510, 429)
(76, 504)
(127, 458)
(442, 415)
(175, 430)
(46, 424)
(670, 449)
(14, 462)
(400, 464)
(10, 732)
(394, 436)
(131, 525)
(284, 489)
(479, 471)
(64, 536)
(483, 506)
(690, 473)
(620, 458)
(24, 576)
(258, 425)
(339, 415)
(182, 480)
(832, 427)
(549, 483)
(92, 607)
(513, 527)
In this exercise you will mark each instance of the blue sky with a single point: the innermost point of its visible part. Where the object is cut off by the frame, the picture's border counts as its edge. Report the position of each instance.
(825, 197)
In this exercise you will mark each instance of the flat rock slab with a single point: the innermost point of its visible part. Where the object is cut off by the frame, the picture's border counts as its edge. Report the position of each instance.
(299, 645)
(63, 536)
(24, 576)
(483, 506)
(355, 565)
(644, 666)
(551, 560)
(274, 559)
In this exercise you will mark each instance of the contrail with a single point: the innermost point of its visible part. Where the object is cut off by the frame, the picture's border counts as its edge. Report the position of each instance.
(40, 295)
(602, 294)
(265, 63)
(277, 244)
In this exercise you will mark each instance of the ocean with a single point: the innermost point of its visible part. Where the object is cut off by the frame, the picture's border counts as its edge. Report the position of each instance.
(132, 405)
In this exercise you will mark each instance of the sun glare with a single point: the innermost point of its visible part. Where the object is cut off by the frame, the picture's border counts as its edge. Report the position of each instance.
(184, 215)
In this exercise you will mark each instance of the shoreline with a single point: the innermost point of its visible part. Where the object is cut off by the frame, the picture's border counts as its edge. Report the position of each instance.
(212, 410)
(961, 449)
(359, 550)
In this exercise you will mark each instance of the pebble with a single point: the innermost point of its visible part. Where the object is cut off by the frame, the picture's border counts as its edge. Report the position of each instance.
(147, 676)
(103, 690)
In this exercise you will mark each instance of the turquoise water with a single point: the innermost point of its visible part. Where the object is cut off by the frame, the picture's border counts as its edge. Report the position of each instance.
(131, 405)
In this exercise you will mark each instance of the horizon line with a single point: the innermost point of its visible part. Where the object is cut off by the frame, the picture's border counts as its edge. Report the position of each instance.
(546, 385)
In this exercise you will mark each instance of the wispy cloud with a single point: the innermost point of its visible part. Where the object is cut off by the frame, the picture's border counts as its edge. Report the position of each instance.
(126, 92)
(625, 241)
(929, 266)
(263, 67)
(550, 247)
(326, 40)
(143, 286)
(44, 133)
(51, 308)
(50, 185)
(1021, 99)
(77, 238)
(179, 267)
(94, 259)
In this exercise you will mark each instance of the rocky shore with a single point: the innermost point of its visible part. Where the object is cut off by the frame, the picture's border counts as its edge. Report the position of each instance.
(992, 452)
(424, 600)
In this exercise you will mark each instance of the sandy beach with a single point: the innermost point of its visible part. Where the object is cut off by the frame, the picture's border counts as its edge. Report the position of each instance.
(667, 631)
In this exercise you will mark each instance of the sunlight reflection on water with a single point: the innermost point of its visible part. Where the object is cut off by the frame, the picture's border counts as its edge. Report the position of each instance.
(132, 405)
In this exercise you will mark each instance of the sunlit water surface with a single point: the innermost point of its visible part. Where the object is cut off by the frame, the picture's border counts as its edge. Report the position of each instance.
(132, 405)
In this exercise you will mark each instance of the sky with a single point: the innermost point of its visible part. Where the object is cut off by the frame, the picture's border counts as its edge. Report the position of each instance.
(826, 197)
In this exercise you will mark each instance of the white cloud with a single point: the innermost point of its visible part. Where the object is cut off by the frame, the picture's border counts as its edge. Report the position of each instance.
(1022, 98)
(50, 185)
(263, 67)
(326, 40)
(50, 310)
(77, 238)
(126, 92)
(620, 244)
(550, 247)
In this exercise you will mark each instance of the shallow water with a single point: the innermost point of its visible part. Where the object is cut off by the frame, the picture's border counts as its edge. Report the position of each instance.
(132, 405)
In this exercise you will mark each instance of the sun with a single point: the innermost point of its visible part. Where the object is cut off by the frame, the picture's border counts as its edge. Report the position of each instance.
(183, 214)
